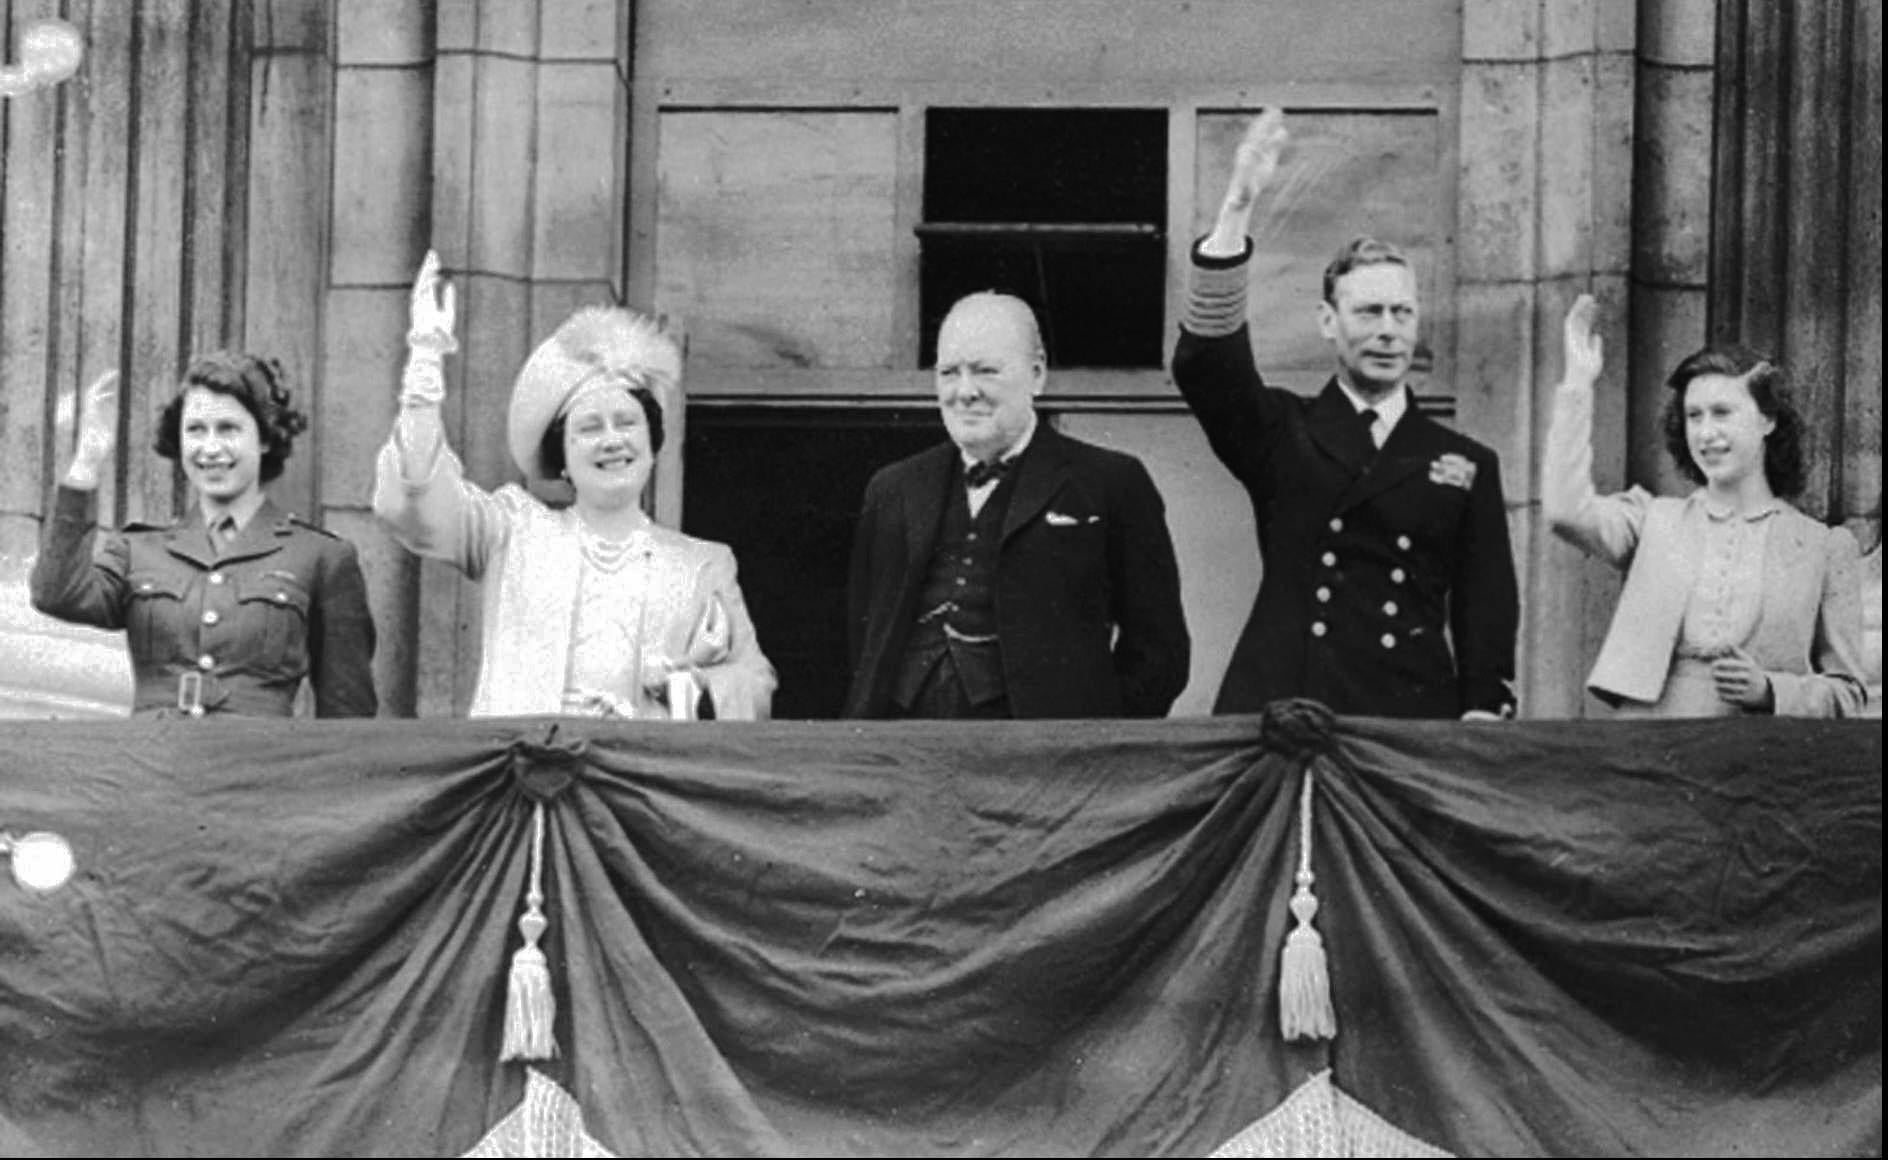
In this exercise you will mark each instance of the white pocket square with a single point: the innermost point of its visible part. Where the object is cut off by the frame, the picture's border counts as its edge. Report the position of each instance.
(1058, 520)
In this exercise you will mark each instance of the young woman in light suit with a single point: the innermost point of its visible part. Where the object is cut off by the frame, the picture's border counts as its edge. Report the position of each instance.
(1735, 601)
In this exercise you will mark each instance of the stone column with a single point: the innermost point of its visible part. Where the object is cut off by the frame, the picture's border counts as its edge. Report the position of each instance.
(1671, 218)
(529, 114)
(124, 194)
(1795, 265)
(379, 222)
(1542, 215)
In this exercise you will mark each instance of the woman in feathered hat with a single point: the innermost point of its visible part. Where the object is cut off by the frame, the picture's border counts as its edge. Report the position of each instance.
(593, 608)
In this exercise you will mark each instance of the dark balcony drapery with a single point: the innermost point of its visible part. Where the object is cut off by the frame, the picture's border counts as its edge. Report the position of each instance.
(948, 939)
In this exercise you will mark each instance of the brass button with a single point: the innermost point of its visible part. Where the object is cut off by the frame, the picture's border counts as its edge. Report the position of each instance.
(1396, 576)
(1330, 559)
(1317, 628)
(1337, 524)
(1389, 608)
(206, 662)
(196, 710)
(1403, 543)
(1324, 596)
(216, 577)
(281, 598)
(211, 617)
(1389, 641)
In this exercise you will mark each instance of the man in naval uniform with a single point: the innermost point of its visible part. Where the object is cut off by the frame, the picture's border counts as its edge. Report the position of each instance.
(1388, 585)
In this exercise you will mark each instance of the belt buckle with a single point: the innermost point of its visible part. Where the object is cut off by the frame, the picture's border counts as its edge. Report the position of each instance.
(190, 693)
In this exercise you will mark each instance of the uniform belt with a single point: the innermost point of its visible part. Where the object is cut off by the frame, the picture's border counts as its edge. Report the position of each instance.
(194, 693)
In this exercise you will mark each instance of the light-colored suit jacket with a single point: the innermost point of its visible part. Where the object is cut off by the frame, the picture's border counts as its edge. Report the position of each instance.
(1808, 637)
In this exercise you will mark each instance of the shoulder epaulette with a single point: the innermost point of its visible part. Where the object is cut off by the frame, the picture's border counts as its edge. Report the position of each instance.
(297, 521)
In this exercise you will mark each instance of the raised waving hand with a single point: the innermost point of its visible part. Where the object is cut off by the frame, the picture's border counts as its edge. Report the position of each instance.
(97, 433)
(1585, 355)
(432, 313)
(1255, 163)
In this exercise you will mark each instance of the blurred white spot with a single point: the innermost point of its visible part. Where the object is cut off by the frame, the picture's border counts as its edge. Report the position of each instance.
(42, 861)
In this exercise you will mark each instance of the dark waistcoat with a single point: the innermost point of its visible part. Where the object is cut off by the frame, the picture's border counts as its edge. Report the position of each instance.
(957, 603)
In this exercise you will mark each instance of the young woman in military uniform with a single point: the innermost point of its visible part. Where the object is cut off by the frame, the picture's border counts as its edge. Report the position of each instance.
(233, 607)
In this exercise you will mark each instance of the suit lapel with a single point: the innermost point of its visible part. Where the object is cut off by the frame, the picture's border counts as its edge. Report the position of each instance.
(190, 541)
(1332, 424)
(1687, 549)
(924, 506)
(1412, 446)
(1788, 554)
(1043, 470)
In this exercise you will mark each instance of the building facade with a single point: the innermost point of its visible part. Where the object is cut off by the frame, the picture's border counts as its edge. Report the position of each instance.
(806, 183)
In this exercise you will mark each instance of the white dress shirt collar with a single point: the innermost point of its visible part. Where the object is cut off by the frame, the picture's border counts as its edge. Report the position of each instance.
(1015, 449)
(1389, 411)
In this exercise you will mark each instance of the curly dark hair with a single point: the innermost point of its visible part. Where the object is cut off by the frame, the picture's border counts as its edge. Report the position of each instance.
(1782, 448)
(551, 446)
(259, 384)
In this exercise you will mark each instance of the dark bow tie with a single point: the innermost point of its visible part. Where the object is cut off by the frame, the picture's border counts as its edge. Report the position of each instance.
(980, 473)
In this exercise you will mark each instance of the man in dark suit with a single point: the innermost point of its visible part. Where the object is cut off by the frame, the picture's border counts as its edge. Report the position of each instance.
(1388, 585)
(1013, 571)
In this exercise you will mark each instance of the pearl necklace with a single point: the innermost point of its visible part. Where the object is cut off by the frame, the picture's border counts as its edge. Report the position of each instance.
(603, 553)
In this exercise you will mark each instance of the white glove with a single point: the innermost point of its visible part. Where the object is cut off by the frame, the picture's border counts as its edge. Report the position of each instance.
(98, 432)
(429, 337)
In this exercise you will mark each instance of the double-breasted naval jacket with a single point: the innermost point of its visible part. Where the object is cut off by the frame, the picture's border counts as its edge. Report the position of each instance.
(1388, 585)
(231, 628)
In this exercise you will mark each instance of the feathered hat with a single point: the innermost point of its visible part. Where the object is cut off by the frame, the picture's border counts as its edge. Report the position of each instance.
(597, 344)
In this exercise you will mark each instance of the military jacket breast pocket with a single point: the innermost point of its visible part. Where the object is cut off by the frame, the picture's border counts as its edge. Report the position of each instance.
(154, 613)
(273, 617)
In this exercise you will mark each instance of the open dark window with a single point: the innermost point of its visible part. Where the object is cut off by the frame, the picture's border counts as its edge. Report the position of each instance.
(781, 486)
(1065, 208)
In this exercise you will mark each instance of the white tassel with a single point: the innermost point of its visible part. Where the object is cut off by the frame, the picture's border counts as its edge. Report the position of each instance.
(1304, 985)
(530, 1006)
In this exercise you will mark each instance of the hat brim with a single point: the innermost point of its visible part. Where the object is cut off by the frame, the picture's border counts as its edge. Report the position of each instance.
(594, 342)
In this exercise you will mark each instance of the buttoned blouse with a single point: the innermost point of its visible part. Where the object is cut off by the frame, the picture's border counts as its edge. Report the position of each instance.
(1727, 597)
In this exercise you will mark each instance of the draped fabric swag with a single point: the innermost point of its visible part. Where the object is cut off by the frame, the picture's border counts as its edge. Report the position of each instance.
(955, 939)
